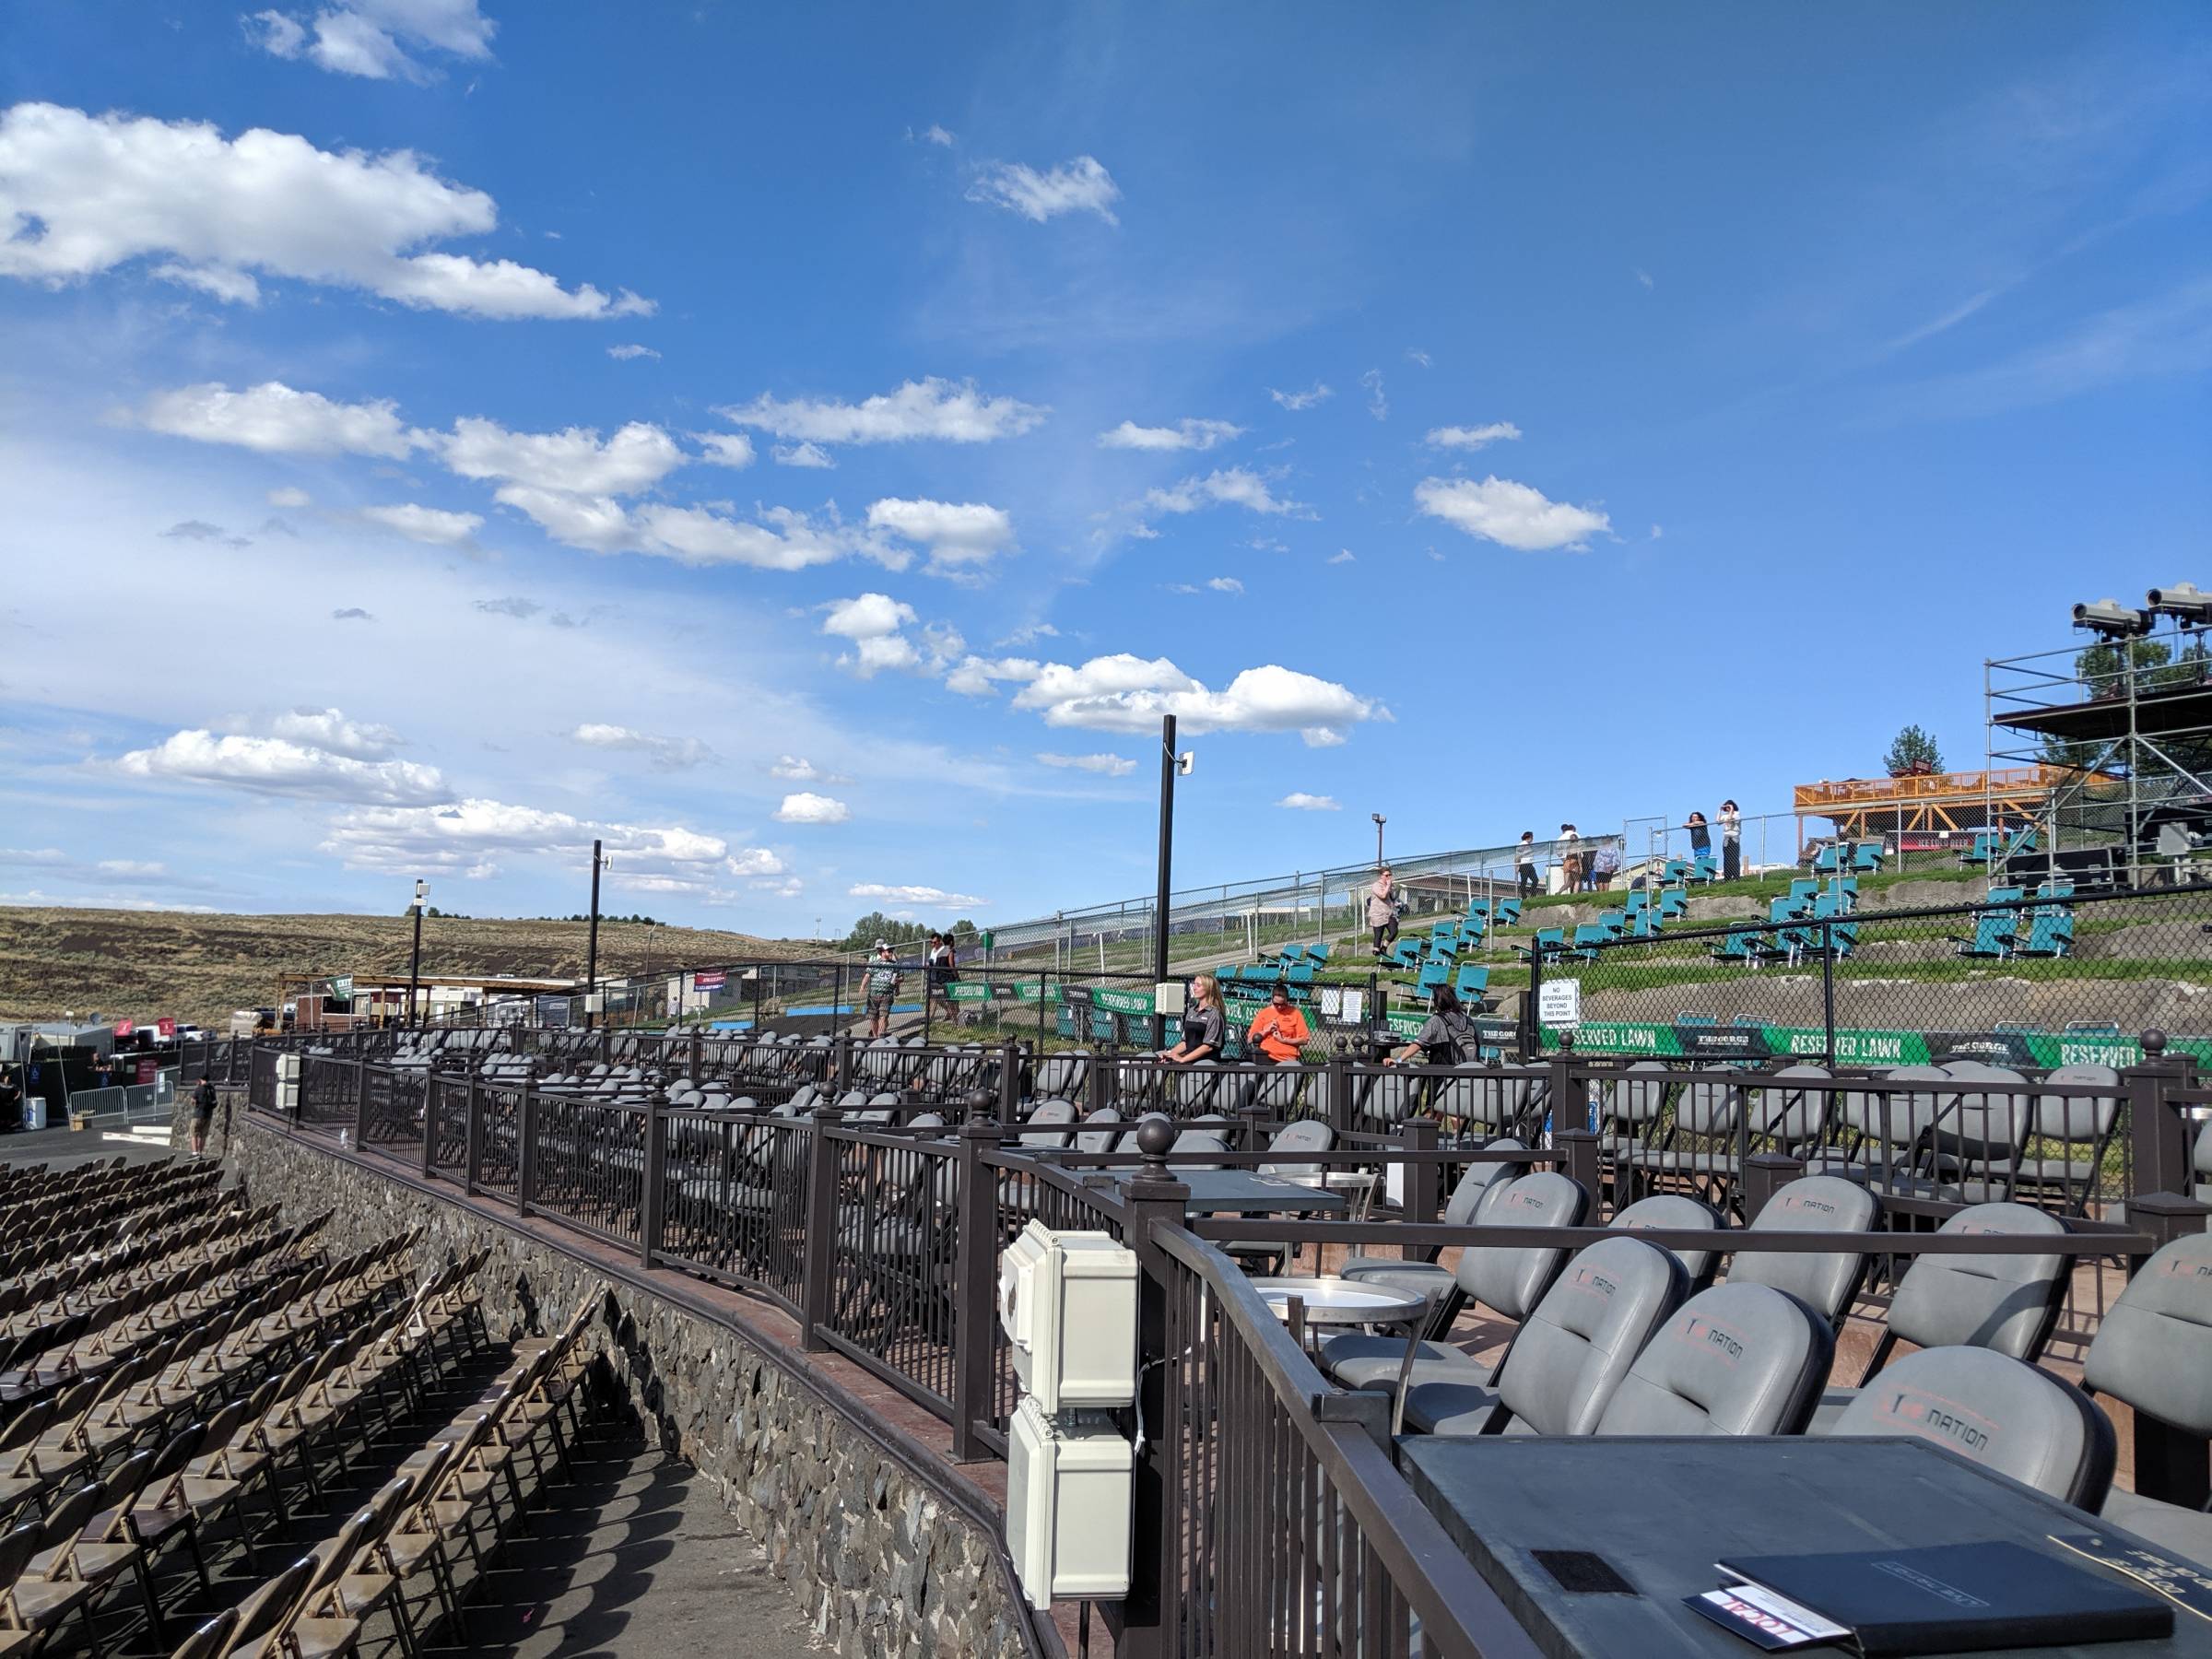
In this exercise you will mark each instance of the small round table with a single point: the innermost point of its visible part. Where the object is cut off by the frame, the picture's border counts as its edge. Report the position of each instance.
(1308, 1304)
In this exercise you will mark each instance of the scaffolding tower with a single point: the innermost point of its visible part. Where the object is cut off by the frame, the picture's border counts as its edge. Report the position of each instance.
(2125, 724)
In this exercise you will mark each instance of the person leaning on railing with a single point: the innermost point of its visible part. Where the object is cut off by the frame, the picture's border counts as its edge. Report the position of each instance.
(1205, 1024)
(1446, 1038)
(1278, 1032)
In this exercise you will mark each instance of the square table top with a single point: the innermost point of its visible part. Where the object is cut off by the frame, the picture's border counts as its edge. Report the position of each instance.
(1244, 1193)
(1662, 1511)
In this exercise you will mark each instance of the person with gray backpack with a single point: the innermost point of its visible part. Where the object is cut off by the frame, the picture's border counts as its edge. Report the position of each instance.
(1446, 1038)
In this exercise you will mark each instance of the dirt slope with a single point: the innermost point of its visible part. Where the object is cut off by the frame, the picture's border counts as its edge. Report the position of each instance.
(200, 967)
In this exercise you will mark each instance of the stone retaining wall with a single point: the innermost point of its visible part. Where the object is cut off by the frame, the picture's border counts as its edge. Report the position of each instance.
(885, 1565)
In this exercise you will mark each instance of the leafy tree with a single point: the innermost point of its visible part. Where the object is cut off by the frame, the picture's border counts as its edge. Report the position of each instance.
(1913, 751)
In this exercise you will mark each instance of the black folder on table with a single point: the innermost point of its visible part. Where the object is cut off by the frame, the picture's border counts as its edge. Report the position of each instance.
(1957, 1597)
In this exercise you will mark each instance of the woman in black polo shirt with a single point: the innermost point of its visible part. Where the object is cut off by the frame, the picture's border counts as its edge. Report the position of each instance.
(1205, 1024)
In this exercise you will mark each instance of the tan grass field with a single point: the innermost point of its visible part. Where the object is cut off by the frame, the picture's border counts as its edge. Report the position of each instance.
(138, 965)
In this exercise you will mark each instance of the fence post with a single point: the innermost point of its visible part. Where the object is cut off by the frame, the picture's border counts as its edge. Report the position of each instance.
(1422, 1179)
(1766, 1173)
(430, 1124)
(821, 1230)
(472, 1161)
(1010, 1083)
(843, 1056)
(1564, 1084)
(1340, 1089)
(975, 1276)
(1577, 1150)
(1098, 1082)
(656, 1168)
(2157, 1136)
(1152, 1612)
(525, 1158)
(1828, 986)
(360, 1105)
(697, 1053)
(1532, 1031)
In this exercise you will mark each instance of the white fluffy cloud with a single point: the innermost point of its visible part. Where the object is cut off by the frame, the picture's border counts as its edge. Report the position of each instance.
(867, 617)
(896, 893)
(469, 836)
(873, 622)
(665, 754)
(724, 449)
(332, 729)
(964, 533)
(954, 412)
(376, 38)
(1226, 584)
(275, 419)
(1297, 800)
(1081, 185)
(1513, 515)
(1126, 693)
(1472, 438)
(807, 807)
(802, 454)
(977, 677)
(574, 462)
(1183, 435)
(1235, 487)
(279, 766)
(627, 354)
(289, 498)
(1110, 766)
(797, 769)
(1295, 400)
(430, 526)
(81, 194)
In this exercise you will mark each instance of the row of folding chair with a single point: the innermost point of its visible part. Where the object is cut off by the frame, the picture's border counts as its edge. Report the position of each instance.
(233, 1346)
(199, 1475)
(420, 1525)
(64, 1226)
(93, 1281)
(86, 1341)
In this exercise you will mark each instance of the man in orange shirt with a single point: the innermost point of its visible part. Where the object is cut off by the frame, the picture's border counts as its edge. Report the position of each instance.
(1278, 1032)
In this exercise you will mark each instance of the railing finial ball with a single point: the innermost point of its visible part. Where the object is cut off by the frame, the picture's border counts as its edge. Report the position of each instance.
(2154, 1043)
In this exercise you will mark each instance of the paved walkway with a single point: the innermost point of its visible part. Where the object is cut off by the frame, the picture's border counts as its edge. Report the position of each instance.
(63, 1147)
(638, 1558)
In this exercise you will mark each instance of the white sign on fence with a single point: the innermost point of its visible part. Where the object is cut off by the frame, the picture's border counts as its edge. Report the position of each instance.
(1559, 1003)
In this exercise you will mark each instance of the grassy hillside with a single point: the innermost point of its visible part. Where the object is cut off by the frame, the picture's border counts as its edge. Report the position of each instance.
(200, 967)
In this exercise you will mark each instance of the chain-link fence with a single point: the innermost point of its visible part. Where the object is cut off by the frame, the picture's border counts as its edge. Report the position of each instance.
(2025, 977)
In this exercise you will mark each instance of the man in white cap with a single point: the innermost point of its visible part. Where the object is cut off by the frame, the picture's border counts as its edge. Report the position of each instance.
(883, 981)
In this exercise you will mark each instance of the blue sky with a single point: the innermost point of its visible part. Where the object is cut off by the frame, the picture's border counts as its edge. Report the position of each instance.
(810, 447)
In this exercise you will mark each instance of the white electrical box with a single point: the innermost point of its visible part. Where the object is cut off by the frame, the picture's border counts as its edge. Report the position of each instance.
(1068, 1303)
(1168, 997)
(1067, 1505)
(288, 1068)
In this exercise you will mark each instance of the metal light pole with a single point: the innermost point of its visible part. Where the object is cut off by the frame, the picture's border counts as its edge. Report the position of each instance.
(1169, 764)
(591, 958)
(1377, 818)
(422, 892)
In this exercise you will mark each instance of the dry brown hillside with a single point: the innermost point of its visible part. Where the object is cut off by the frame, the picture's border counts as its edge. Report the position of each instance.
(200, 967)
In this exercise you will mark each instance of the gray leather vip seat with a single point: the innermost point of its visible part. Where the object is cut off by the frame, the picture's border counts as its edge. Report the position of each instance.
(2082, 1126)
(1483, 1183)
(1732, 1360)
(1307, 1134)
(1678, 1212)
(1097, 1140)
(2154, 1354)
(2005, 1303)
(1510, 1281)
(1570, 1354)
(1044, 1125)
(2018, 1419)
(1826, 1283)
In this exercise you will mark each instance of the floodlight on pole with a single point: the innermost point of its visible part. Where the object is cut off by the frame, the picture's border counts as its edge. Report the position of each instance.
(1379, 822)
(1171, 766)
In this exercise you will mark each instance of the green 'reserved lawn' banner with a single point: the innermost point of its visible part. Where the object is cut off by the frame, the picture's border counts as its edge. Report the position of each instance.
(2039, 1049)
